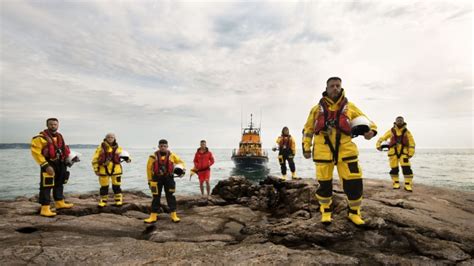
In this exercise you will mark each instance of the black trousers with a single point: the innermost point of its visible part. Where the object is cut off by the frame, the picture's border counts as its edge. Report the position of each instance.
(284, 156)
(55, 183)
(168, 183)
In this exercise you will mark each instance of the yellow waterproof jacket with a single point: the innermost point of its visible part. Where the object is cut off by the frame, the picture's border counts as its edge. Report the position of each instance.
(408, 150)
(109, 168)
(151, 160)
(321, 151)
(38, 143)
(292, 143)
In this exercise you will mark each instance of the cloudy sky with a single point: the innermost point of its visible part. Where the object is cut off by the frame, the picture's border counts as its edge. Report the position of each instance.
(187, 71)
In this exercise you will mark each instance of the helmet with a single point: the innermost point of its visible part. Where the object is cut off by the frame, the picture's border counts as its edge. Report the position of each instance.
(73, 158)
(359, 126)
(124, 156)
(179, 170)
(385, 146)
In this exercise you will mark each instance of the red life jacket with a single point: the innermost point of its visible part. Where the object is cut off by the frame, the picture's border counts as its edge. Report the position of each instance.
(337, 119)
(163, 167)
(402, 139)
(54, 150)
(105, 156)
(203, 160)
(284, 143)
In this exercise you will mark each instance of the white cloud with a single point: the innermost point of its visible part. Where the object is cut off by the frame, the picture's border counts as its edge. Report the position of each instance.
(153, 69)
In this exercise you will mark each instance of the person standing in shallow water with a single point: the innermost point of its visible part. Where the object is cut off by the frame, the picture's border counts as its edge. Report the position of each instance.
(106, 163)
(50, 151)
(401, 149)
(161, 167)
(286, 152)
(329, 129)
(203, 160)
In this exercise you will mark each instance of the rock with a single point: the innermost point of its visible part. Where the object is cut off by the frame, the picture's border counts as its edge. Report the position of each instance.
(274, 222)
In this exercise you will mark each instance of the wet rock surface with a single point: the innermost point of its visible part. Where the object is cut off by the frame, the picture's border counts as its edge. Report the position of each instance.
(273, 222)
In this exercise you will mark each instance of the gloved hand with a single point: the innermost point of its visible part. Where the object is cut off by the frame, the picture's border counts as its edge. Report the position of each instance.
(368, 135)
(307, 154)
(50, 170)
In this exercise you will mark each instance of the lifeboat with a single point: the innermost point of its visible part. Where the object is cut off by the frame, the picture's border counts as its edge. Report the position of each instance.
(250, 154)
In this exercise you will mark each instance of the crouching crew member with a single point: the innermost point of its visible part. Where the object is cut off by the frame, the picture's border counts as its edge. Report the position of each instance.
(106, 163)
(161, 167)
(50, 151)
(401, 149)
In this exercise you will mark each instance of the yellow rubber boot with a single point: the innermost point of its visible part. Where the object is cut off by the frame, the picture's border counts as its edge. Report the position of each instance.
(325, 214)
(118, 199)
(325, 209)
(396, 182)
(153, 218)
(408, 184)
(294, 177)
(46, 211)
(103, 201)
(174, 217)
(354, 216)
(61, 204)
(283, 177)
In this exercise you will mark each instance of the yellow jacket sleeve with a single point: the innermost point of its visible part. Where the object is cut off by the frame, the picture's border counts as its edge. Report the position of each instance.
(293, 145)
(411, 144)
(386, 136)
(277, 141)
(308, 130)
(95, 159)
(176, 160)
(37, 145)
(149, 167)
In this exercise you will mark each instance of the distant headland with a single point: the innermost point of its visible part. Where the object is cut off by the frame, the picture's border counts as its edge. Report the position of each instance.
(4, 146)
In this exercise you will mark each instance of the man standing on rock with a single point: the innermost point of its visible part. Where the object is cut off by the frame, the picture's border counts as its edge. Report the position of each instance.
(50, 151)
(203, 160)
(161, 167)
(286, 152)
(401, 149)
(331, 123)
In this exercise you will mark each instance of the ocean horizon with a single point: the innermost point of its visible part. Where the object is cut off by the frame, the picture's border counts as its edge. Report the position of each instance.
(449, 168)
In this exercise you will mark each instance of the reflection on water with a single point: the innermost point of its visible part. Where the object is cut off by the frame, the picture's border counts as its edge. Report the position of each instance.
(252, 174)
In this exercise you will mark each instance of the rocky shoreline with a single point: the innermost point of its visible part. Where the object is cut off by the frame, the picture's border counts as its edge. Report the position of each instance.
(274, 222)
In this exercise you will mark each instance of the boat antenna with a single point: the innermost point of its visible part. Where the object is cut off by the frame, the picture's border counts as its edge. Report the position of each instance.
(241, 126)
(251, 123)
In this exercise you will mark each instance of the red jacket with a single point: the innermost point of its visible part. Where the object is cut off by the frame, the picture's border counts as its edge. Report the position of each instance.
(203, 160)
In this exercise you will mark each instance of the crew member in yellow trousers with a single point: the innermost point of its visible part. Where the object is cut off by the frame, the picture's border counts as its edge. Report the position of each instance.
(161, 168)
(286, 152)
(106, 163)
(401, 149)
(50, 151)
(331, 123)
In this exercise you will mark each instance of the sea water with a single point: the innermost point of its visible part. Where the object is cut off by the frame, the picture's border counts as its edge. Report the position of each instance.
(19, 173)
